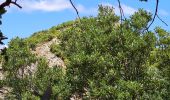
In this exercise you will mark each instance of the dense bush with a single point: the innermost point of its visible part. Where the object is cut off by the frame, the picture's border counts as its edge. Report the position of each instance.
(30, 77)
(105, 60)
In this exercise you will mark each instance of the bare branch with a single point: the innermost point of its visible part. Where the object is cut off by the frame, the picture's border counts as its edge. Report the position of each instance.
(8, 2)
(156, 11)
(162, 20)
(156, 15)
(16, 4)
(121, 11)
(75, 9)
(121, 15)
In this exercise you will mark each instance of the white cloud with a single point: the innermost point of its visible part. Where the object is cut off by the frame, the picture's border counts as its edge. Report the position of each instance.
(51, 6)
(45, 5)
(60, 5)
(87, 11)
(163, 12)
(126, 9)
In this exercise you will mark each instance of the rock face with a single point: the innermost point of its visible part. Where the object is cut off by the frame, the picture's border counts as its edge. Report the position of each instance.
(3, 90)
(1, 73)
(43, 50)
(28, 70)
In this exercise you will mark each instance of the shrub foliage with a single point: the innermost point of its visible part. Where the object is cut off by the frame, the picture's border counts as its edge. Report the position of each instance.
(105, 60)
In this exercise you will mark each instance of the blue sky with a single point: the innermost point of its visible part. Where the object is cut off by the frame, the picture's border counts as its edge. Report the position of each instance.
(39, 15)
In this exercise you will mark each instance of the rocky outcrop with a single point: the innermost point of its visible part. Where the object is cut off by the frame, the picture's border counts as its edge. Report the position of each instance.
(1, 73)
(3, 92)
(43, 50)
(28, 70)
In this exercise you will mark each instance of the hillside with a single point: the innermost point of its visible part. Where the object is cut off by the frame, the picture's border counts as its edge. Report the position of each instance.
(92, 58)
(39, 44)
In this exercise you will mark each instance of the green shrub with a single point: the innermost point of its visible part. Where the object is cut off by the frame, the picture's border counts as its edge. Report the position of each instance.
(111, 62)
(56, 49)
(104, 60)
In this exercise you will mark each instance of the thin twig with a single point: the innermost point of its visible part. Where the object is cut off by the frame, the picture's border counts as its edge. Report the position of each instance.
(75, 9)
(156, 11)
(120, 9)
(122, 16)
(162, 20)
(156, 15)
(16, 4)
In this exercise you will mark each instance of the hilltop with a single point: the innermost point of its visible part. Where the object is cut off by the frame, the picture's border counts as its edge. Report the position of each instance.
(92, 58)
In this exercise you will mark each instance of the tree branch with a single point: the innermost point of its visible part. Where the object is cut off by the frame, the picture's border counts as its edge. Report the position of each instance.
(8, 2)
(162, 20)
(121, 16)
(156, 11)
(156, 15)
(121, 11)
(16, 4)
(75, 9)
